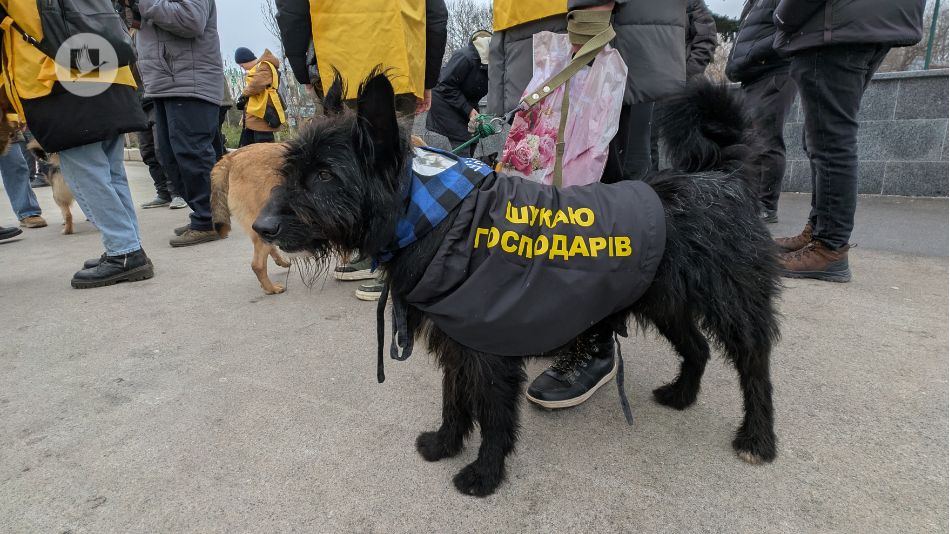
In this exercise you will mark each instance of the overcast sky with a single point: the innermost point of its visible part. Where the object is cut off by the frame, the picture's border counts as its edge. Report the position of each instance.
(239, 23)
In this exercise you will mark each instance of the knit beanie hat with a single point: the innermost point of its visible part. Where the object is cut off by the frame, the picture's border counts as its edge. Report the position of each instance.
(243, 55)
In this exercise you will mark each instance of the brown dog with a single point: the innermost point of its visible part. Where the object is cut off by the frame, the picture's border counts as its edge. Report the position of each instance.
(62, 195)
(240, 185)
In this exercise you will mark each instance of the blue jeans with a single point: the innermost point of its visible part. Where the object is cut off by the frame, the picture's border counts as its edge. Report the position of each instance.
(96, 174)
(16, 181)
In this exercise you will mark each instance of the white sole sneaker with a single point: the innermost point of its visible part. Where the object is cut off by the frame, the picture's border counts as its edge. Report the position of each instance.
(568, 403)
(367, 295)
(350, 276)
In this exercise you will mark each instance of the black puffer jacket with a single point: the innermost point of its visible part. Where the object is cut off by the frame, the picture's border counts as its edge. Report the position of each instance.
(752, 55)
(701, 37)
(805, 24)
(463, 82)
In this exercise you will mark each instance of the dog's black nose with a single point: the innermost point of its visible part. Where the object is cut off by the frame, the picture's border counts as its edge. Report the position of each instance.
(267, 226)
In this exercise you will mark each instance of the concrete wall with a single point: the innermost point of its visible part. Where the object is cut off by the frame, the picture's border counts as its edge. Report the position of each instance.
(902, 142)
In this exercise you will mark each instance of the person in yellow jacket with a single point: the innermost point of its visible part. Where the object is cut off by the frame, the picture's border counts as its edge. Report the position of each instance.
(405, 37)
(101, 105)
(650, 37)
(259, 98)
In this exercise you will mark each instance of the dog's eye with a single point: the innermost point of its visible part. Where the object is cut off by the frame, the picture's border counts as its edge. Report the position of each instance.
(324, 176)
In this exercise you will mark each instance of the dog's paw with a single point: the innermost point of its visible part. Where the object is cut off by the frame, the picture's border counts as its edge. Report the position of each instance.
(432, 448)
(278, 289)
(674, 396)
(472, 480)
(754, 449)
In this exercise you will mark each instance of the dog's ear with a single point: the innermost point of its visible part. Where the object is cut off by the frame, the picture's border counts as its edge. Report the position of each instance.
(376, 109)
(333, 101)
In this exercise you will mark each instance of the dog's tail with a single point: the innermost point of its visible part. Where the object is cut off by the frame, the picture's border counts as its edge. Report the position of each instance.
(706, 129)
(220, 212)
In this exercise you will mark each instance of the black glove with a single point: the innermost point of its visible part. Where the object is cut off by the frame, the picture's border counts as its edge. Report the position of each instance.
(241, 103)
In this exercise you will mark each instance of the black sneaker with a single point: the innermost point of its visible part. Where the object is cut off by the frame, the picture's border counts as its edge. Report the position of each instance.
(359, 269)
(39, 180)
(9, 232)
(575, 374)
(130, 267)
(370, 291)
(769, 216)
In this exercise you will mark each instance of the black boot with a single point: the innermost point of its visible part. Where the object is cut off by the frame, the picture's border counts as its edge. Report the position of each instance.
(89, 264)
(130, 267)
(576, 373)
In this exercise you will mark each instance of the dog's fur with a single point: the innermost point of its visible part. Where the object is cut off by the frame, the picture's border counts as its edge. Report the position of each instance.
(62, 194)
(718, 275)
(240, 186)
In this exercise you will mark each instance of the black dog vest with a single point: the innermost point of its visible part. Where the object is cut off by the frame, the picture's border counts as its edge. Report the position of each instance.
(527, 267)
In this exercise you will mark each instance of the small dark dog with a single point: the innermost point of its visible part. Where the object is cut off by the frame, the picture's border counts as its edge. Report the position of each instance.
(718, 274)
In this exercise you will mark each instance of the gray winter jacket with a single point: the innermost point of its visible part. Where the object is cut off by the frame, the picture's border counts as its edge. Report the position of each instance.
(650, 37)
(805, 24)
(179, 54)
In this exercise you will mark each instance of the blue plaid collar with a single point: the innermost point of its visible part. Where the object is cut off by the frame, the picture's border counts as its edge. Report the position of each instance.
(437, 182)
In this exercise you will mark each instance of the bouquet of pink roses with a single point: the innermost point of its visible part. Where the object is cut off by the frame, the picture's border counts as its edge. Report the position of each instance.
(596, 95)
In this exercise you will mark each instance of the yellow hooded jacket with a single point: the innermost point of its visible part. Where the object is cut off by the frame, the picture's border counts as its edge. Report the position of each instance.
(260, 88)
(355, 36)
(511, 13)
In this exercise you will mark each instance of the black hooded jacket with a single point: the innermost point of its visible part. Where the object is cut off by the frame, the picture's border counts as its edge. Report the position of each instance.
(805, 24)
(752, 55)
(701, 37)
(463, 82)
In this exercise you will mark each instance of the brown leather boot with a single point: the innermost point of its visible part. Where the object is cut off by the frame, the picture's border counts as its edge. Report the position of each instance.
(816, 260)
(791, 244)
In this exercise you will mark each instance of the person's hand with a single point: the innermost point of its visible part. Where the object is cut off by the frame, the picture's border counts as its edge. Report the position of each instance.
(472, 122)
(241, 103)
(423, 104)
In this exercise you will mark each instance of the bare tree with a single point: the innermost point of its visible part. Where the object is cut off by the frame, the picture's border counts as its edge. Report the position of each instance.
(912, 57)
(716, 71)
(465, 18)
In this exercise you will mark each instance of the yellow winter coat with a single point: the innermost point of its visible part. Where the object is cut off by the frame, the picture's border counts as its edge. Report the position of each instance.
(29, 76)
(354, 36)
(27, 72)
(510, 13)
(260, 88)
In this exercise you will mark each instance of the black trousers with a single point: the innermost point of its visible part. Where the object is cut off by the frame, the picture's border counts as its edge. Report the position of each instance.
(219, 139)
(768, 100)
(163, 186)
(831, 81)
(629, 155)
(184, 134)
(249, 137)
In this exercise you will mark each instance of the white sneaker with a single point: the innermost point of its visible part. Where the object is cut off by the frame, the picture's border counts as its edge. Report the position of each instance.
(178, 203)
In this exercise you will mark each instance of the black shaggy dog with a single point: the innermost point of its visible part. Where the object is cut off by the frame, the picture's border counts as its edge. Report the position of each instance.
(718, 275)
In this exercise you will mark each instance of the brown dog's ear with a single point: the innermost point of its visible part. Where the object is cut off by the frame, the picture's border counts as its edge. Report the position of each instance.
(376, 109)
